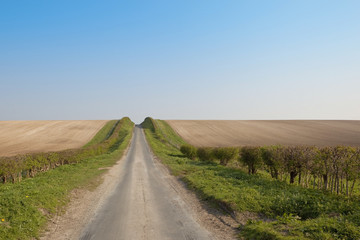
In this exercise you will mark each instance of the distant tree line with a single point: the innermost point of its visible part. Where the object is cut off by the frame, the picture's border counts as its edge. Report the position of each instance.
(13, 169)
(335, 169)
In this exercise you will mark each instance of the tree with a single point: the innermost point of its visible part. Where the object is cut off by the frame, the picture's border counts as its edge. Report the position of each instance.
(350, 167)
(306, 163)
(355, 168)
(325, 167)
(339, 154)
(292, 157)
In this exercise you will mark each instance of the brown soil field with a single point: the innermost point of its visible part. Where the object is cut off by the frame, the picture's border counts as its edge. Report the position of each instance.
(18, 137)
(220, 133)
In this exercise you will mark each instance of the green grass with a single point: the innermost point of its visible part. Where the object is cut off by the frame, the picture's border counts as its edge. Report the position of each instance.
(168, 134)
(25, 207)
(104, 133)
(291, 212)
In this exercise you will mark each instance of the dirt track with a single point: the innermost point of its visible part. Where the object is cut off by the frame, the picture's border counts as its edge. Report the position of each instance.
(143, 205)
(214, 133)
(37, 136)
(139, 199)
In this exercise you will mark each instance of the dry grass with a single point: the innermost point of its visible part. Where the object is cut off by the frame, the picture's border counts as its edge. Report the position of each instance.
(18, 137)
(214, 133)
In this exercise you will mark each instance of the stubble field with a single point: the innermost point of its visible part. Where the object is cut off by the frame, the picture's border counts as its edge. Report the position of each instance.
(17, 137)
(220, 133)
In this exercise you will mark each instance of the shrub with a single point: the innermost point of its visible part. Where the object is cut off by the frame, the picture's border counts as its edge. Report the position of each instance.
(273, 157)
(205, 154)
(293, 157)
(225, 154)
(251, 157)
(188, 150)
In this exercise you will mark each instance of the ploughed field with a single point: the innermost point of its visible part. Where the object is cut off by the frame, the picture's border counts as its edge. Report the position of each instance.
(221, 133)
(18, 137)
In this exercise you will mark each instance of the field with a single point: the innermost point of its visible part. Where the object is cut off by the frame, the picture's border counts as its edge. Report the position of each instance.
(37, 186)
(222, 133)
(18, 137)
(266, 208)
(27, 205)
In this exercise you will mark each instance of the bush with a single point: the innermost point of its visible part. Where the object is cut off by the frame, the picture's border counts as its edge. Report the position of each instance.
(273, 157)
(225, 154)
(251, 157)
(188, 150)
(205, 154)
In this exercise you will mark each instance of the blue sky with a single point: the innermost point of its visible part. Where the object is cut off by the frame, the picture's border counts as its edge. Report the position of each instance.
(179, 59)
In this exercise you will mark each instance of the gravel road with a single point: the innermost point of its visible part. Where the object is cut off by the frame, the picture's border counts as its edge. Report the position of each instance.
(144, 205)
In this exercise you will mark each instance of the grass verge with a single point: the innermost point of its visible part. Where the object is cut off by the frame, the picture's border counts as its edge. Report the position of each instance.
(104, 133)
(26, 206)
(283, 211)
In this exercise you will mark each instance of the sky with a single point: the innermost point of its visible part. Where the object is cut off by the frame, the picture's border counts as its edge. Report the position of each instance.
(179, 59)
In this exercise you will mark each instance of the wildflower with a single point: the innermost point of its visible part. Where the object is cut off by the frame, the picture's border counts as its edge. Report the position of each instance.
(3, 220)
(27, 196)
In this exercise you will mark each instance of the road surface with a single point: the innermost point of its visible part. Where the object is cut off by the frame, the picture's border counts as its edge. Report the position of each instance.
(144, 205)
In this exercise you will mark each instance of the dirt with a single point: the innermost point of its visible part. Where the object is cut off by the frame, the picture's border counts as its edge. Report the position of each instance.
(18, 137)
(220, 133)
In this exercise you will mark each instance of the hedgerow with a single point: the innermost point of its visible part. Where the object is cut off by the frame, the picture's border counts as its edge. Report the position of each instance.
(26, 206)
(275, 209)
(13, 169)
(335, 169)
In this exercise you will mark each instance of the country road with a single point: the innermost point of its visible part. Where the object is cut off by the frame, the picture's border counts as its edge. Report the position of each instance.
(143, 205)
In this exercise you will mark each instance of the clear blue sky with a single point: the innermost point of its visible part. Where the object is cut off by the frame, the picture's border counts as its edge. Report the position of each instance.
(179, 59)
